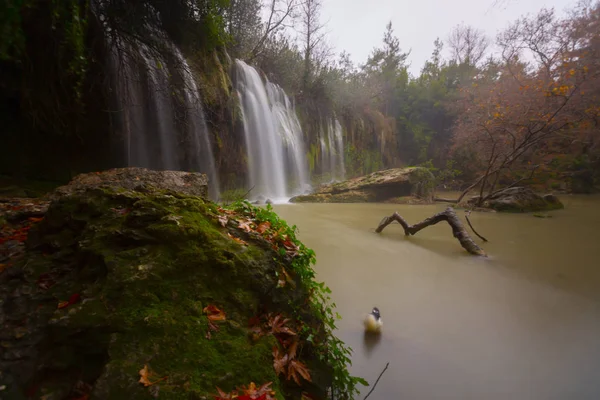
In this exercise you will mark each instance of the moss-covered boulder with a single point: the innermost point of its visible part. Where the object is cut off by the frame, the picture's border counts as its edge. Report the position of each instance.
(380, 186)
(122, 281)
(191, 183)
(518, 199)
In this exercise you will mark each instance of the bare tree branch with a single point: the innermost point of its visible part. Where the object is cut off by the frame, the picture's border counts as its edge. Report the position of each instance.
(458, 230)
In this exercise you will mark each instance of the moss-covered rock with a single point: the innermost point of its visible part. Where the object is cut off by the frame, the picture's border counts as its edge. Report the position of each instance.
(191, 183)
(118, 278)
(518, 199)
(380, 186)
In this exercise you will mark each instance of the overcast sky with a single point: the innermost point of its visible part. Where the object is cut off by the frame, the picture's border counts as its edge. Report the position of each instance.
(358, 25)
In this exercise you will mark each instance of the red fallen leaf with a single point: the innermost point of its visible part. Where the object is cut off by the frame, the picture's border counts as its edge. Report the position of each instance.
(3, 267)
(280, 360)
(35, 219)
(262, 228)
(214, 313)
(296, 368)
(291, 350)
(289, 245)
(277, 325)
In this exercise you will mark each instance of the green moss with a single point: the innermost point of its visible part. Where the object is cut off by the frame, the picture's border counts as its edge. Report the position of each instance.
(145, 265)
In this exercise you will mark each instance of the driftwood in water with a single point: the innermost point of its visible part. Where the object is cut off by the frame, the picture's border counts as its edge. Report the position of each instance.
(458, 230)
(467, 213)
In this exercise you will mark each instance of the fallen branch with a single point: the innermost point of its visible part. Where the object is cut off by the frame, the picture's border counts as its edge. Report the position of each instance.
(377, 381)
(467, 213)
(458, 230)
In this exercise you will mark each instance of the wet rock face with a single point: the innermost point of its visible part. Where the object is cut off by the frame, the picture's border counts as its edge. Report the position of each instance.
(380, 186)
(519, 199)
(192, 183)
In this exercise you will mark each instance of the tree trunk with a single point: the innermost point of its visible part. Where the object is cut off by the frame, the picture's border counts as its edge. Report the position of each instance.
(458, 230)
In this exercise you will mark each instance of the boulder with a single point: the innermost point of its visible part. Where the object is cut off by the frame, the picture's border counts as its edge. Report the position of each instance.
(119, 279)
(191, 183)
(519, 199)
(390, 186)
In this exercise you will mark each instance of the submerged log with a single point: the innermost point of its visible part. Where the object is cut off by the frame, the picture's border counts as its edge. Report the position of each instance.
(458, 230)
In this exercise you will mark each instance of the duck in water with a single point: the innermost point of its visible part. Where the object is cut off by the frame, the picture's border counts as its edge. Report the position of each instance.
(373, 321)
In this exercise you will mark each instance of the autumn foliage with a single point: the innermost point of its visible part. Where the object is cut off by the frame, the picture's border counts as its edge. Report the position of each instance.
(539, 101)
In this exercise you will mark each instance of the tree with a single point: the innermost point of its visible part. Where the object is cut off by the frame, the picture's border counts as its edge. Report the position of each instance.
(244, 26)
(249, 32)
(467, 45)
(386, 71)
(515, 124)
(313, 36)
(279, 13)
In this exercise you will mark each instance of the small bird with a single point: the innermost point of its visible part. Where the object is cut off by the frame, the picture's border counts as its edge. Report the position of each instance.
(373, 322)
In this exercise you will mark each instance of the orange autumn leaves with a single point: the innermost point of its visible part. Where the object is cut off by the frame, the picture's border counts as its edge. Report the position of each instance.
(285, 355)
(251, 392)
(145, 377)
(214, 314)
(278, 238)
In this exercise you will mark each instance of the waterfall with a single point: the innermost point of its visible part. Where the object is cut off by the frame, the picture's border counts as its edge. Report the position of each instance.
(277, 164)
(158, 113)
(332, 151)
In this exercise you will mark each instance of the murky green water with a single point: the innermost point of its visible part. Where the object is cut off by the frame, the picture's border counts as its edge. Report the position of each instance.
(524, 324)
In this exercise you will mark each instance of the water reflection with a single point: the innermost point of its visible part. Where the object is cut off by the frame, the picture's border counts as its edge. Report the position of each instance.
(370, 341)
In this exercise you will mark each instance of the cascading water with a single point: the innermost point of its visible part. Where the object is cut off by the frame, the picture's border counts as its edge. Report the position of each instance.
(332, 151)
(275, 148)
(158, 129)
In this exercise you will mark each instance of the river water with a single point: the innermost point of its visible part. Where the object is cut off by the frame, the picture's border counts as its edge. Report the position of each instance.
(523, 324)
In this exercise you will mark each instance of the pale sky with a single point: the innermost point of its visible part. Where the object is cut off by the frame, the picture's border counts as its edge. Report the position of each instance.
(358, 25)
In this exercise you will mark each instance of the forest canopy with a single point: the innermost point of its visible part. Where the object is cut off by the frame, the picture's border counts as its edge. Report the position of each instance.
(521, 107)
